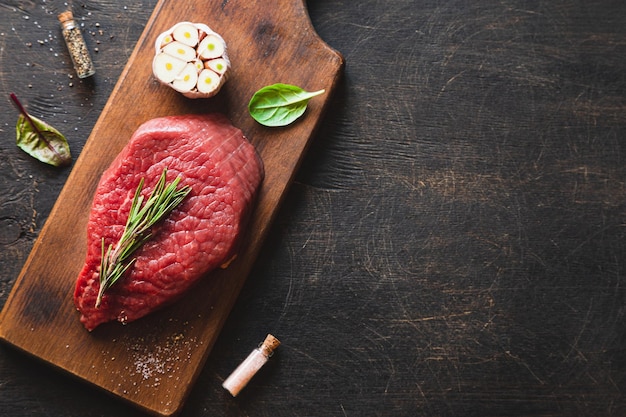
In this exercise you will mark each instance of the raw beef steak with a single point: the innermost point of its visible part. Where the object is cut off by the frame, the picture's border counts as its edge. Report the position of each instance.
(224, 172)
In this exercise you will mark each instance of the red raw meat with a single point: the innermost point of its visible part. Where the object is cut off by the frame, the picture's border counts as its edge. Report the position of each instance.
(224, 171)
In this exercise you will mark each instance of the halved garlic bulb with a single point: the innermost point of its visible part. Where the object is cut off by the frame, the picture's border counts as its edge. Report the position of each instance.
(191, 58)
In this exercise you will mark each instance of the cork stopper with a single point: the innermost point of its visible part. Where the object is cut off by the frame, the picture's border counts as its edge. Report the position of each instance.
(269, 344)
(66, 16)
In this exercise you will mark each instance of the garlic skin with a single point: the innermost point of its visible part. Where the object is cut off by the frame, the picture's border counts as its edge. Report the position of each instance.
(187, 47)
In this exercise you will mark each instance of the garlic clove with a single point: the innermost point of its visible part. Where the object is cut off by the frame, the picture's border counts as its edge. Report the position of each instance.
(208, 81)
(164, 40)
(165, 67)
(187, 79)
(198, 64)
(219, 65)
(180, 51)
(186, 33)
(212, 46)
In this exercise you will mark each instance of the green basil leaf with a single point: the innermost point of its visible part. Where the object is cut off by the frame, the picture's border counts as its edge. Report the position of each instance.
(279, 104)
(42, 141)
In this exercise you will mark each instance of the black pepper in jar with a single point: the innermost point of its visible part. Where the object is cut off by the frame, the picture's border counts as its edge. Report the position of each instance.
(76, 46)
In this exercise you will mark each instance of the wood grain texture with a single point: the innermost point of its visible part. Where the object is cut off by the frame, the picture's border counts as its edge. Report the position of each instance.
(454, 235)
(153, 363)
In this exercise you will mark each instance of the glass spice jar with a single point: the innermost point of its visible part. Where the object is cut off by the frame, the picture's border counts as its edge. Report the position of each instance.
(76, 45)
(255, 361)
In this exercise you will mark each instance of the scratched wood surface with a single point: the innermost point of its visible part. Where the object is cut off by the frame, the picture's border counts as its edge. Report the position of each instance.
(453, 243)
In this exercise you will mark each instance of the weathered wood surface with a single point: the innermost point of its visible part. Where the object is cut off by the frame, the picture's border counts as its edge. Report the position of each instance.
(456, 232)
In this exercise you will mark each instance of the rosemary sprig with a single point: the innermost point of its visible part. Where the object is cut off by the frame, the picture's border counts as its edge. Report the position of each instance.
(115, 260)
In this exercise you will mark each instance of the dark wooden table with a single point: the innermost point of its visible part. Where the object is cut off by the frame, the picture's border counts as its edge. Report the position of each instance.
(454, 242)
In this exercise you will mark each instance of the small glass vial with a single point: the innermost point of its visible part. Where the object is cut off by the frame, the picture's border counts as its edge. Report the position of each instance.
(76, 46)
(246, 370)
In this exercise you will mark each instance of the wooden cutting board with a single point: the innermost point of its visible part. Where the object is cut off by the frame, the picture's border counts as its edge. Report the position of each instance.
(153, 362)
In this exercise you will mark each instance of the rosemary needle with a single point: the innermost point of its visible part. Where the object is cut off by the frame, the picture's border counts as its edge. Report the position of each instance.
(115, 259)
